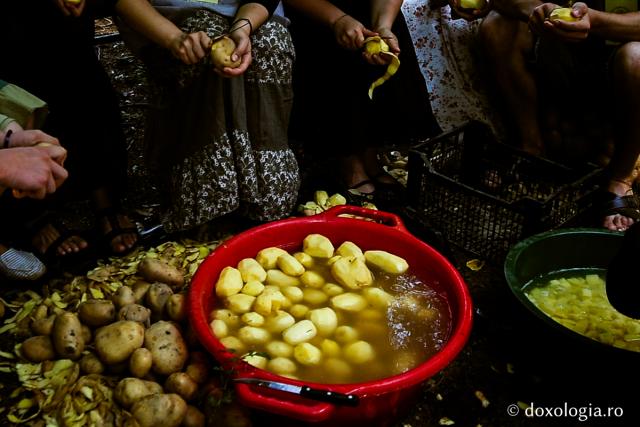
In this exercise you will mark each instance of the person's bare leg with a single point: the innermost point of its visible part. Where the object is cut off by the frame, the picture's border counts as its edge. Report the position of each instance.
(353, 173)
(507, 42)
(120, 242)
(626, 85)
(48, 234)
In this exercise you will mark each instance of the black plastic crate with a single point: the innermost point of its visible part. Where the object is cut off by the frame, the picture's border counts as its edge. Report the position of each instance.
(485, 196)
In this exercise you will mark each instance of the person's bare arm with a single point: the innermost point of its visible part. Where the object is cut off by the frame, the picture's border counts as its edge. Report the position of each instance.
(383, 14)
(144, 18)
(348, 31)
(615, 26)
(321, 10)
(32, 170)
(516, 9)
(249, 17)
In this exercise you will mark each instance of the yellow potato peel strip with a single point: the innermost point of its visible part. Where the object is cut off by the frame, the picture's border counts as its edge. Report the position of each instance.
(376, 45)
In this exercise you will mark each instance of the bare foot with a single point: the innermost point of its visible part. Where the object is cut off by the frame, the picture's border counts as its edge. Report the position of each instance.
(123, 239)
(618, 222)
(48, 234)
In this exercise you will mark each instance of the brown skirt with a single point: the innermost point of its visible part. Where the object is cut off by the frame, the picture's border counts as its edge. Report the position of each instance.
(220, 144)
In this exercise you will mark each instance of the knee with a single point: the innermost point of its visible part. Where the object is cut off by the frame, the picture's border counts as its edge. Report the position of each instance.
(489, 32)
(500, 36)
(626, 63)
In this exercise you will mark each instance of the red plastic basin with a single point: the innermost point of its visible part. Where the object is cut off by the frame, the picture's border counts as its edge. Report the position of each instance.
(380, 401)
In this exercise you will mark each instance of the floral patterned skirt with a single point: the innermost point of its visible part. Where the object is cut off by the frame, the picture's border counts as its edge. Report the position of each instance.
(220, 144)
(445, 49)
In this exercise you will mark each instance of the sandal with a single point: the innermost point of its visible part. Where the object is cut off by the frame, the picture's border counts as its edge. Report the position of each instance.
(388, 193)
(72, 261)
(355, 196)
(114, 220)
(612, 204)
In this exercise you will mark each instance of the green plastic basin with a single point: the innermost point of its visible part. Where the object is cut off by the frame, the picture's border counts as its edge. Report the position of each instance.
(553, 253)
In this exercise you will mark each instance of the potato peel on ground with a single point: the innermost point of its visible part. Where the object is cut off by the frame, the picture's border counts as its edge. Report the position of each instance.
(475, 264)
(53, 391)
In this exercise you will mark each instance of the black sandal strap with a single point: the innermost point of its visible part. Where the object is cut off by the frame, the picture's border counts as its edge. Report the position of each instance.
(627, 206)
(111, 214)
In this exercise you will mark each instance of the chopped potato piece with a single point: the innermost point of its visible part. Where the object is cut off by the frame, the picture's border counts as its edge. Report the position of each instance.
(345, 334)
(279, 322)
(349, 302)
(219, 328)
(231, 319)
(253, 319)
(378, 298)
(330, 348)
(282, 366)
(253, 288)
(233, 344)
(350, 249)
(359, 352)
(314, 296)
(352, 272)
(252, 335)
(250, 269)
(305, 259)
(289, 265)
(229, 283)
(299, 311)
(280, 279)
(268, 257)
(256, 360)
(307, 354)
(332, 289)
(240, 303)
(312, 279)
(300, 332)
(325, 320)
(318, 246)
(279, 349)
(387, 262)
(293, 293)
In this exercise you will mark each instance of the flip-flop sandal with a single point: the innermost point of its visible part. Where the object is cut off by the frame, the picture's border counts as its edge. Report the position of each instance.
(71, 262)
(612, 204)
(356, 197)
(388, 193)
(106, 239)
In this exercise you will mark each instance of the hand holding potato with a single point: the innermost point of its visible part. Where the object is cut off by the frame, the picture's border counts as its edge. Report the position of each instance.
(380, 58)
(241, 37)
(471, 10)
(189, 48)
(568, 31)
(350, 33)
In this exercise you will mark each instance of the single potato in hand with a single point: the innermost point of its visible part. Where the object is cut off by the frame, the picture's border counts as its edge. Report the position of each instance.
(221, 51)
(563, 14)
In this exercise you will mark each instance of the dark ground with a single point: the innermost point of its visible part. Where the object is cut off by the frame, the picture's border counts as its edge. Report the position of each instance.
(510, 358)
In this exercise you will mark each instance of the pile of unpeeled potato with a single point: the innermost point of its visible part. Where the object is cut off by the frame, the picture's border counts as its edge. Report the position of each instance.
(135, 345)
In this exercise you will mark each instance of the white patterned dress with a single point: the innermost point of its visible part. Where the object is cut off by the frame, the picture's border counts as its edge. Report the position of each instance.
(445, 49)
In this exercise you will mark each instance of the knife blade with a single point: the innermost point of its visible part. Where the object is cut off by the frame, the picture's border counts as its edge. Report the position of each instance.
(305, 391)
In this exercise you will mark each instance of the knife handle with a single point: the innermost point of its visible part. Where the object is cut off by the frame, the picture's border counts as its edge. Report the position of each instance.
(330, 396)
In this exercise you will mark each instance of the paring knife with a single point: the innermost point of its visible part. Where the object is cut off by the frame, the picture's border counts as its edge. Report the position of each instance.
(305, 391)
